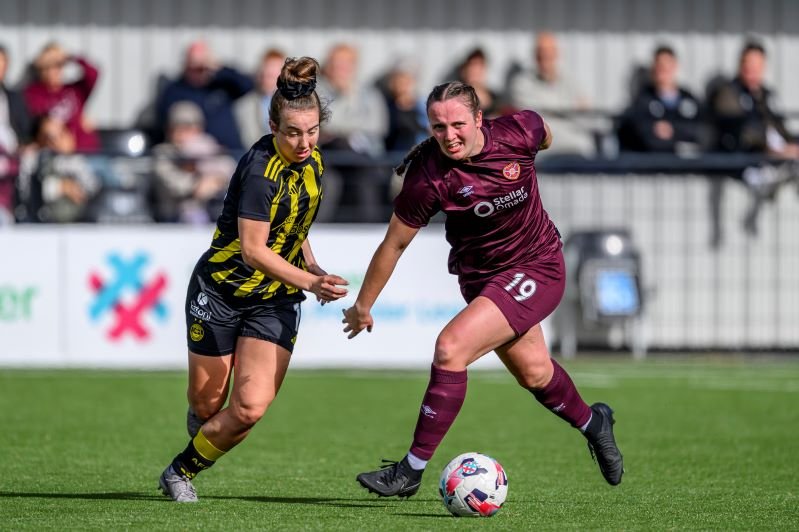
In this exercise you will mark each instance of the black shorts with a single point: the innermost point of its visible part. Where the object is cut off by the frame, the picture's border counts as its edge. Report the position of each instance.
(214, 322)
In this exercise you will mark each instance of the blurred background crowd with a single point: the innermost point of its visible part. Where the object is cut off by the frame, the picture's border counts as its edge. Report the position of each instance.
(172, 163)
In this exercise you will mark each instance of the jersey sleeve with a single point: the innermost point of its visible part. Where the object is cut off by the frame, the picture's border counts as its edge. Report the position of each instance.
(418, 201)
(257, 192)
(532, 128)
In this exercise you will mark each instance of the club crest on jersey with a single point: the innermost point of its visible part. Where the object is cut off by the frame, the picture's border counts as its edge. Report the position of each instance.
(512, 171)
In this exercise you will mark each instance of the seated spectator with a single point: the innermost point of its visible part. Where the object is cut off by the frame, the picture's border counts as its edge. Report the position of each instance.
(55, 184)
(213, 88)
(744, 114)
(15, 132)
(356, 130)
(474, 71)
(252, 109)
(548, 91)
(407, 117)
(191, 170)
(663, 117)
(359, 119)
(746, 120)
(49, 94)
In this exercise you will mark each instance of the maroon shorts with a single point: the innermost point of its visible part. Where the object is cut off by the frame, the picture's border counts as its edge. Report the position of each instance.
(525, 293)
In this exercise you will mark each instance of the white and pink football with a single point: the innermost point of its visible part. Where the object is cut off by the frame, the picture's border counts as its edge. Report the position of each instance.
(473, 485)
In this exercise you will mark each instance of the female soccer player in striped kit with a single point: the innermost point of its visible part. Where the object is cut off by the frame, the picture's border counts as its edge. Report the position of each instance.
(507, 255)
(243, 300)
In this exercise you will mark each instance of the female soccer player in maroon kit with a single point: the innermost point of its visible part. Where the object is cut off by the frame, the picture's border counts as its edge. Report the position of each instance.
(507, 255)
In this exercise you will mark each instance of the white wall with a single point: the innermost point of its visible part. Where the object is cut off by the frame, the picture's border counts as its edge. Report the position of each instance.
(741, 294)
(66, 294)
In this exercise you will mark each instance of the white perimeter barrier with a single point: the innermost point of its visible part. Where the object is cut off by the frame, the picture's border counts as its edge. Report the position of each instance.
(89, 296)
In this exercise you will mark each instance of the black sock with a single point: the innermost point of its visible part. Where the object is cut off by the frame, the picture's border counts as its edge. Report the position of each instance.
(190, 462)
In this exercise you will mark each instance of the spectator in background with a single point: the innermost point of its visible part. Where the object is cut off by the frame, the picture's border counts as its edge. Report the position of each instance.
(407, 117)
(555, 96)
(49, 94)
(213, 87)
(663, 117)
(55, 184)
(746, 120)
(744, 113)
(357, 129)
(252, 109)
(15, 132)
(359, 119)
(473, 70)
(191, 172)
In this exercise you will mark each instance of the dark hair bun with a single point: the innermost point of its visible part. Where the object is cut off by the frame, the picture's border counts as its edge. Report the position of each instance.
(298, 77)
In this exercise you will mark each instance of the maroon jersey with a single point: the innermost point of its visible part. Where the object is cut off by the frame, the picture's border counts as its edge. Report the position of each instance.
(494, 216)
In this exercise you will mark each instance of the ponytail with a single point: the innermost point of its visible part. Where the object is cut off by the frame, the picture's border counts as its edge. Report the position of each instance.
(400, 170)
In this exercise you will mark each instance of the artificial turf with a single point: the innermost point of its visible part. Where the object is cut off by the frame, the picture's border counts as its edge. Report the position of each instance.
(708, 444)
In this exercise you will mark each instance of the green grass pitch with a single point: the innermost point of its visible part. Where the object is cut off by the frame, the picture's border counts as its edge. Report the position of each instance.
(710, 445)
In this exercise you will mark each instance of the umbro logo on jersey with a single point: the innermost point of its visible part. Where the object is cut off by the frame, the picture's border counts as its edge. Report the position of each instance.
(429, 412)
(466, 191)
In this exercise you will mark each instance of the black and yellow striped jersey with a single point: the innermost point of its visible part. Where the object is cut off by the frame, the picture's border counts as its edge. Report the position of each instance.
(265, 186)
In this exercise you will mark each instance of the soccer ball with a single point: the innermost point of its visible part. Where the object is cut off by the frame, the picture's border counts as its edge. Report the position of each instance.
(473, 485)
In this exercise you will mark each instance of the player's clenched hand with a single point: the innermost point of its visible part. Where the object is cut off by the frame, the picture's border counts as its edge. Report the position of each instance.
(357, 320)
(328, 287)
(317, 270)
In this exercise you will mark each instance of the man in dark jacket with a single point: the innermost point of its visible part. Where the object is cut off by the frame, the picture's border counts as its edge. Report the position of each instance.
(213, 88)
(746, 120)
(744, 113)
(663, 116)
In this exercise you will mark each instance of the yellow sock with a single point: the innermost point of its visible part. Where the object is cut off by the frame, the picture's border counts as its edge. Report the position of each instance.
(206, 449)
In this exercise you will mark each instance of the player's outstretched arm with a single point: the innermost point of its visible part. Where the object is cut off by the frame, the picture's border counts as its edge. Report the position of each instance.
(358, 317)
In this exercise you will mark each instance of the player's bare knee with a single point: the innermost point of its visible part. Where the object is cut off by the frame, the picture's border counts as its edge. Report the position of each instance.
(449, 353)
(247, 416)
(535, 375)
(203, 411)
(205, 408)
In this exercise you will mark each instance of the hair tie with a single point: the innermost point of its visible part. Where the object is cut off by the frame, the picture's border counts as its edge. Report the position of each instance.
(291, 90)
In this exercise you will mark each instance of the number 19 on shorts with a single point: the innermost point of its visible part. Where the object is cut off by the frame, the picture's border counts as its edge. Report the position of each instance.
(521, 289)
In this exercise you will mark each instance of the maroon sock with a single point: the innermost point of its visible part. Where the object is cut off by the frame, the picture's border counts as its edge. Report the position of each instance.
(562, 398)
(441, 404)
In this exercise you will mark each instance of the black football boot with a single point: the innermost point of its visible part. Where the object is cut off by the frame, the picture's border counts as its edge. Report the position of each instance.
(392, 479)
